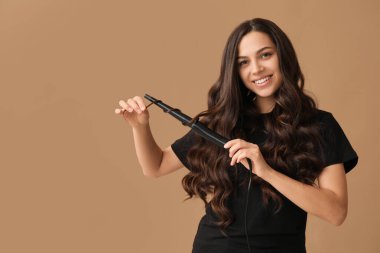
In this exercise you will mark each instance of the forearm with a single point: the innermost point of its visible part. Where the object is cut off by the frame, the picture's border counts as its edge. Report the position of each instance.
(323, 203)
(148, 152)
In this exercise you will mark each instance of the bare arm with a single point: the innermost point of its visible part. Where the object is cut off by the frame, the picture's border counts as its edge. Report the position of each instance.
(327, 201)
(154, 161)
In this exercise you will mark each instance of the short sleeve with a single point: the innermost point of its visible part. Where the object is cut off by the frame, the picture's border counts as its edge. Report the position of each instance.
(182, 145)
(338, 148)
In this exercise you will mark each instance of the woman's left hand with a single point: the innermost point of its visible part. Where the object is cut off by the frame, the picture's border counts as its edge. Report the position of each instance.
(240, 150)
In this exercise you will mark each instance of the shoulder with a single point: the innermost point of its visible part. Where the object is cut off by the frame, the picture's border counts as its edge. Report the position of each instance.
(326, 119)
(338, 148)
(323, 115)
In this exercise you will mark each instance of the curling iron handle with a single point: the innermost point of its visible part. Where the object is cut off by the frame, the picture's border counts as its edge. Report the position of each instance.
(209, 135)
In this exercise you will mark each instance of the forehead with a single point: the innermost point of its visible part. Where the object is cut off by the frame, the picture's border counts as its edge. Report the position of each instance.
(253, 42)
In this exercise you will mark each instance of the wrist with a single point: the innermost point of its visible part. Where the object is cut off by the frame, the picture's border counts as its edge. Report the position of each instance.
(140, 127)
(267, 174)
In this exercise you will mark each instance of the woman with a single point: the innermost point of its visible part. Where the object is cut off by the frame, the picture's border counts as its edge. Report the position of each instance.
(299, 153)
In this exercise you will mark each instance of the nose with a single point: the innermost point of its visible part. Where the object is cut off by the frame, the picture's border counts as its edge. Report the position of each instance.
(256, 67)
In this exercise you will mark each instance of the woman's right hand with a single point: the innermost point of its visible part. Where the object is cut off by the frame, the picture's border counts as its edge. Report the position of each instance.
(134, 111)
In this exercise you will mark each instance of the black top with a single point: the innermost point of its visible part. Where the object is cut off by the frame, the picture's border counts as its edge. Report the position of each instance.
(268, 232)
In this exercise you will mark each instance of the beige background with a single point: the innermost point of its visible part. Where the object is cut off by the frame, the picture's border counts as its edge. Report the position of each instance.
(70, 180)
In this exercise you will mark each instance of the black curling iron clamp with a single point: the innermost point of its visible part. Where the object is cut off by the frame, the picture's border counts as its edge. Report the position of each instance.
(197, 126)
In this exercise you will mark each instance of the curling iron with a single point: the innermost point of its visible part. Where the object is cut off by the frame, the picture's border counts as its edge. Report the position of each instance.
(197, 126)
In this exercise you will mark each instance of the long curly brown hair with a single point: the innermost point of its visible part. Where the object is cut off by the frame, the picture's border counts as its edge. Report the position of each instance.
(293, 145)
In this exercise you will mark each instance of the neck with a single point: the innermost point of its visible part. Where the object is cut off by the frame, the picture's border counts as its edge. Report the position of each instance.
(265, 104)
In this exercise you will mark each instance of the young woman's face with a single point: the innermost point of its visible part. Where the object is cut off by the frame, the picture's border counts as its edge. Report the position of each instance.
(258, 64)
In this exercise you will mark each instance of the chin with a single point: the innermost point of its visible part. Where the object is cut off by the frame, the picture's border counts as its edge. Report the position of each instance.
(265, 94)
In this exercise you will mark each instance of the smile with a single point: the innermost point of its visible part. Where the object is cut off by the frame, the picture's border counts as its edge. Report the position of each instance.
(263, 81)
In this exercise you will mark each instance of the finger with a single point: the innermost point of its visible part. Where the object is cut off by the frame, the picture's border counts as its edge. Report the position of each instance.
(237, 146)
(241, 156)
(140, 103)
(125, 106)
(132, 103)
(119, 111)
(228, 144)
(235, 157)
(245, 163)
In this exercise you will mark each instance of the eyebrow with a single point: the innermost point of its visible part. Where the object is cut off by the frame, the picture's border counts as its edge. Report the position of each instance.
(258, 51)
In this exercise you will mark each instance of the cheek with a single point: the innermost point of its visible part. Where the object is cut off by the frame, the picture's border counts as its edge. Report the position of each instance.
(243, 75)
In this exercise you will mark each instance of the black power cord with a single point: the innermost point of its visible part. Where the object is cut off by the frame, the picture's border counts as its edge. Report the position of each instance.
(246, 205)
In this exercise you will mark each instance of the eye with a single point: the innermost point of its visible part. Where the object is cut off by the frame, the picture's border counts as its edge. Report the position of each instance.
(242, 62)
(265, 55)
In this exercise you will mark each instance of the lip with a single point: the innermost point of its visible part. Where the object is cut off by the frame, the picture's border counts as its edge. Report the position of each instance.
(264, 83)
(262, 77)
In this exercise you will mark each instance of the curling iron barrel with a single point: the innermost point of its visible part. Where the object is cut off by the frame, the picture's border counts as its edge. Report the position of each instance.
(197, 126)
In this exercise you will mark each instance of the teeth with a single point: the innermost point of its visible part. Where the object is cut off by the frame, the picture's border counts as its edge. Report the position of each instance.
(262, 80)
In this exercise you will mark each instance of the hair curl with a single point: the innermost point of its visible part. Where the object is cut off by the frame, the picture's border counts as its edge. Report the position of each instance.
(293, 145)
